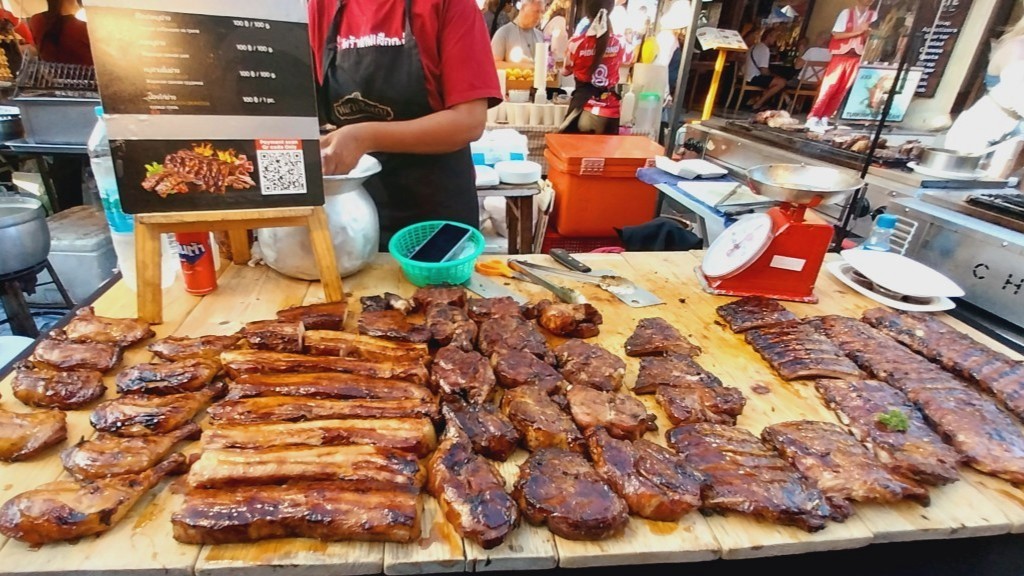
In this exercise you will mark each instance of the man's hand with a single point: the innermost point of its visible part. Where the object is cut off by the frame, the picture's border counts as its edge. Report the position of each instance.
(862, 28)
(341, 150)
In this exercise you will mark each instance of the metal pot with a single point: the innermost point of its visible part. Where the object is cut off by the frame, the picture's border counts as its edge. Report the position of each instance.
(351, 218)
(24, 236)
(953, 161)
(802, 184)
(11, 127)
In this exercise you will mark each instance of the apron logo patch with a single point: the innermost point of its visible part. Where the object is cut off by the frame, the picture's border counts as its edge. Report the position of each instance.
(355, 107)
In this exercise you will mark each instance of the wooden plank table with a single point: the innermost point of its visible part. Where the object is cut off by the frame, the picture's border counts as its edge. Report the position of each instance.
(978, 505)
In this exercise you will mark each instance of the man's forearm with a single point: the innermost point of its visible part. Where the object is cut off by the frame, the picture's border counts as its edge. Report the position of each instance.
(438, 133)
(846, 35)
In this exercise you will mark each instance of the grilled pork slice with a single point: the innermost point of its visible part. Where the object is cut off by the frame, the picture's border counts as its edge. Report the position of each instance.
(655, 482)
(690, 405)
(796, 351)
(504, 334)
(916, 453)
(590, 365)
(168, 378)
(238, 362)
(349, 345)
(352, 467)
(296, 409)
(471, 492)
(320, 510)
(481, 309)
(957, 352)
(540, 420)
(459, 374)
(322, 316)
(754, 312)
(106, 455)
(275, 335)
(517, 368)
(745, 476)
(392, 325)
(489, 431)
(86, 326)
(68, 510)
(426, 297)
(450, 326)
(66, 355)
(25, 434)
(672, 370)
(838, 465)
(567, 320)
(327, 385)
(562, 490)
(413, 435)
(656, 337)
(623, 416)
(47, 388)
(145, 415)
(174, 348)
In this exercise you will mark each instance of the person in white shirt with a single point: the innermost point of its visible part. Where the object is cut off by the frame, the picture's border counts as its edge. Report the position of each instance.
(514, 44)
(556, 29)
(849, 37)
(757, 71)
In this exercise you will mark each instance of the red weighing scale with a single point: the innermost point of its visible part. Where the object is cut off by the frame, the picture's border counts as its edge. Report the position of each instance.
(778, 254)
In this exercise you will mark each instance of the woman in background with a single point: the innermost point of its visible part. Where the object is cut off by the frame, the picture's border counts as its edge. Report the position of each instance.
(60, 36)
(593, 60)
(556, 29)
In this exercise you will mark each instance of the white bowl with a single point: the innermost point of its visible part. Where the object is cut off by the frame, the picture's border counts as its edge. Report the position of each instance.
(518, 171)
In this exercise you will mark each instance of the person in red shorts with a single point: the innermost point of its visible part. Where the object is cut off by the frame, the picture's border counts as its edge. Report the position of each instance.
(849, 36)
(593, 59)
(408, 81)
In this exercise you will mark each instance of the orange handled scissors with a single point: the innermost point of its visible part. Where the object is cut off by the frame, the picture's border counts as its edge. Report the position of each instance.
(496, 268)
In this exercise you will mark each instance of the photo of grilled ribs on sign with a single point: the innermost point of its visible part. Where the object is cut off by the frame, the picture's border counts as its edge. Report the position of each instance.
(201, 168)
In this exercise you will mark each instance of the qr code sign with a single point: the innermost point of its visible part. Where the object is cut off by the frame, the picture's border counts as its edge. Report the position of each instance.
(282, 170)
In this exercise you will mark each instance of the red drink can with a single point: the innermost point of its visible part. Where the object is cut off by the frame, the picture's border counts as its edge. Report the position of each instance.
(196, 262)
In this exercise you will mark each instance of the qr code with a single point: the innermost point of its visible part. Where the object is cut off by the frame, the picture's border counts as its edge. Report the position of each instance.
(281, 172)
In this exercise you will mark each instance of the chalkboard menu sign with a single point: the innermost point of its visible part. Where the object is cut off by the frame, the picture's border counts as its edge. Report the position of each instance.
(940, 23)
(210, 105)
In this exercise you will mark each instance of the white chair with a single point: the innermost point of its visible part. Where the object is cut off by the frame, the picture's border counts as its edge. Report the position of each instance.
(806, 86)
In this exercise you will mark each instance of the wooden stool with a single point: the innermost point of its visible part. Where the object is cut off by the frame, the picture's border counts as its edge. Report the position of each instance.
(237, 223)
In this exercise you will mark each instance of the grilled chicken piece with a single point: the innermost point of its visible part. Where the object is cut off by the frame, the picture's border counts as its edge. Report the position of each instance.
(424, 298)
(67, 355)
(386, 301)
(481, 309)
(145, 415)
(68, 510)
(237, 362)
(46, 388)
(743, 475)
(655, 482)
(450, 326)
(693, 404)
(490, 432)
(562, 490)
(171, 378)
(327, 385)
(507, 333)
(86, 326)
(567, 320)
(274, 335)
(106, 455)
(176, 349)
(349, 345)
(838, 465)
(459, 374)
(672, 370)
(916, 453)
(590, 365)
(296, 409)
(796, 351)
(656, 337)
(413, 435)
(516, 368)
(754, 312)
(352, 467)
(540, 420)
(471, 492)
(25, 434)
(322, 316)
(957, 352)
(320, 510)
(623, 416)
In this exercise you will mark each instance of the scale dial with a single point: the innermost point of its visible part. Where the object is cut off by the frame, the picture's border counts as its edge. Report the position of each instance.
(739, 246)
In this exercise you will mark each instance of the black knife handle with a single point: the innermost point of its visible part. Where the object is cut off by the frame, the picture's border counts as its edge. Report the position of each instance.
(565, 259)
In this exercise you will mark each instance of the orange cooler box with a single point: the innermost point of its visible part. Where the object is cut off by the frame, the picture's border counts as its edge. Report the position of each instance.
(595, 182)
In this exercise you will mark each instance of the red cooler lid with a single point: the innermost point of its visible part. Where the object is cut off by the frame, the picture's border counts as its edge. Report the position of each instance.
(617, 152)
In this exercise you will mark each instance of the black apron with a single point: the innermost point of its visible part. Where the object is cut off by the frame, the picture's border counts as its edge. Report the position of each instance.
(385, 83)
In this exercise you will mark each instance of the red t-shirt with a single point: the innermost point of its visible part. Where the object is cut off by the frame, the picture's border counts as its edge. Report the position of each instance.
(70, 47)
(581, 57)
(453, 42)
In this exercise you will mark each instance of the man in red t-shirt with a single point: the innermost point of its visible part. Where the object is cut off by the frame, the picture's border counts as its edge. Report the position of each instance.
(415, 100)
(60, 36)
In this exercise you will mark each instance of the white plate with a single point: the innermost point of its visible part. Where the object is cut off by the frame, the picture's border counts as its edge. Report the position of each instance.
(841, 271)
(976, 175)
(901, 274)
(486, 176)
(518, 171)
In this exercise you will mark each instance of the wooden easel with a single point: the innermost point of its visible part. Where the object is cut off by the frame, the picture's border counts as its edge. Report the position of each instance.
(149, 227)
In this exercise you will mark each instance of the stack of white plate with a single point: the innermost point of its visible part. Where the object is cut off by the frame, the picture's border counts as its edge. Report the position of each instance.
(895, 280)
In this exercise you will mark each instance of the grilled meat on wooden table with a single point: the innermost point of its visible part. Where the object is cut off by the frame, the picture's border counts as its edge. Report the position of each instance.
(145, 415)
(296, 409)
(238, 362)
(754, 312)
(465, 375)
(175, 348)
(584, 364)
(44, 387)
(413, 435)
(621, 415)
(167, 378)
(86, 326)
(327, 385)
(656, 337)
(25, 434)
(540, 420)
(489, 432)
(106, 455)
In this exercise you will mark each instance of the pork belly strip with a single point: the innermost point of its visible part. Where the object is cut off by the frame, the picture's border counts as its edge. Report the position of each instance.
(350, 345)
(414, 435)
(917, 453)
(321, 510)
(237, 362)
(352, 467)
(294, 409)
(322, 316)
(754, 312)
(327, 385)
(955, 351)
(174, 348)
(797, 351)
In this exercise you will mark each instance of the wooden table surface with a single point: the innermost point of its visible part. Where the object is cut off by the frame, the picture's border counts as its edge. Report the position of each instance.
(142, 544)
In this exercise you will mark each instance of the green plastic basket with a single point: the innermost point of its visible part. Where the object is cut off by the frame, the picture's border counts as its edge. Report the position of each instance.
(421, 274)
